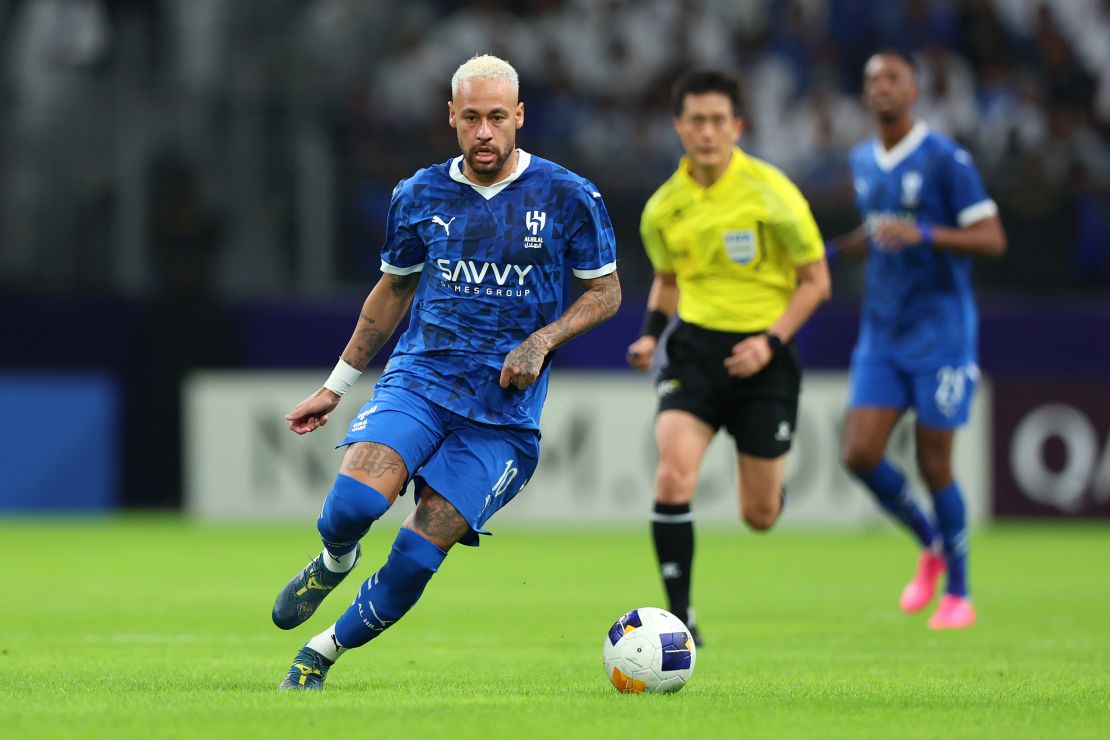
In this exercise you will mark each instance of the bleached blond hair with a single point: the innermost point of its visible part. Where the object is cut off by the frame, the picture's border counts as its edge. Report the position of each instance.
(484, 67)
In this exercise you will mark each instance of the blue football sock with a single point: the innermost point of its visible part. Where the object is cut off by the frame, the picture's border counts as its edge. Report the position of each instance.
(387, 595)
(889, 486)
(952, 520)
(349, 510)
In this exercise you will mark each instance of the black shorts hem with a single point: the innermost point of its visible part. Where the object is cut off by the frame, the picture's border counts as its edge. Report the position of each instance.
(695, 409)
(763, 454)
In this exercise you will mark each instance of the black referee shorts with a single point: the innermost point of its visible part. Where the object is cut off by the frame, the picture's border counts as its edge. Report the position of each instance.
(759, 412)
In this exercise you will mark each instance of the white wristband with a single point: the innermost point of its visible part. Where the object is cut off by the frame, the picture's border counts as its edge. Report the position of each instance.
(341, 378)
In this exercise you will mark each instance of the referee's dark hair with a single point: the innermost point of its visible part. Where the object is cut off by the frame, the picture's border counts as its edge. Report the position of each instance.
(701, 81)
(905, 56)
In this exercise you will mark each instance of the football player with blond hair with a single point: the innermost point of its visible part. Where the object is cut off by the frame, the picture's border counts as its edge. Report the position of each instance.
(476, 252)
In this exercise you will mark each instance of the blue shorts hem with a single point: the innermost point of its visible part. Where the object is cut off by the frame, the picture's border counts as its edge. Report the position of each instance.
(470, 539)
(940, 397)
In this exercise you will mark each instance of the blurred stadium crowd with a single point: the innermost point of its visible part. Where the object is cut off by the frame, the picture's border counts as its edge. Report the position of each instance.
(252, 145)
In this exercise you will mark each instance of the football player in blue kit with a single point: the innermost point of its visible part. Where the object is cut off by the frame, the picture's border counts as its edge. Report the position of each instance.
(926, 214)
(478, 247)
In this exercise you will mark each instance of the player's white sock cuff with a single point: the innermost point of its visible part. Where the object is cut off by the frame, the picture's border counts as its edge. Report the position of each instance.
(340, 564)
(326, 644)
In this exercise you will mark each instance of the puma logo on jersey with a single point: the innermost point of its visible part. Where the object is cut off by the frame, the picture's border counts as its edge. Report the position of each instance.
(445, 224)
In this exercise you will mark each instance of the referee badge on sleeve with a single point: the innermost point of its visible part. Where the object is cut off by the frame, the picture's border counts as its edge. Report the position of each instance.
(741, 246)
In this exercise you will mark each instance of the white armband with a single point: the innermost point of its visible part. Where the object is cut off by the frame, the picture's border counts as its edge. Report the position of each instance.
(341, 378)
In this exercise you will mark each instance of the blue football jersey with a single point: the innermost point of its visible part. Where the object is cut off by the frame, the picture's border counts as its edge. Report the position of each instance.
(919, 309)
(493, 261)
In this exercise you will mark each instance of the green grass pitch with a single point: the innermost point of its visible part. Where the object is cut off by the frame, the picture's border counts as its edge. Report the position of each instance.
(158, 628)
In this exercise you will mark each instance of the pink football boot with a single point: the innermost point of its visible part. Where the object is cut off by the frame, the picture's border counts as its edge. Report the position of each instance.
(954, 612)
(920, 591)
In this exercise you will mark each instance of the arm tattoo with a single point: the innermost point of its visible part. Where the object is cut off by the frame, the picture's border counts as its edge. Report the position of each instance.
(370, 336)
(600, 301)
(366, 342)
(373, 459)
(399, 284)
(526, 357)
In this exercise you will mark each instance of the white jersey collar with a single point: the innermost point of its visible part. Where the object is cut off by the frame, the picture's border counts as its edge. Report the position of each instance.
(888, 159)
(488, 191)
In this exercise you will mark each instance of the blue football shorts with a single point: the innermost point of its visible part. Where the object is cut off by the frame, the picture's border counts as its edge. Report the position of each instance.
(477, 467)
(941, 397)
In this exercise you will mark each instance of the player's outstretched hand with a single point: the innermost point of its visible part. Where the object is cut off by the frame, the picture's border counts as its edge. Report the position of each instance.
(749, 356)
(522, 365)
(641, 351)
(893, 235)
(312, 413)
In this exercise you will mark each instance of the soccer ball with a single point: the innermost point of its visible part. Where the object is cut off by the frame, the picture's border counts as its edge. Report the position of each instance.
(650, 650)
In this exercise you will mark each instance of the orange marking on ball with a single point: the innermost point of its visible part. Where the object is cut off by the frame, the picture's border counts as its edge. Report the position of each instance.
(627, 684)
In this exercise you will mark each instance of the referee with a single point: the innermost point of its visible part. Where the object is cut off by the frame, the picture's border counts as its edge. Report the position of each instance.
(738, 256)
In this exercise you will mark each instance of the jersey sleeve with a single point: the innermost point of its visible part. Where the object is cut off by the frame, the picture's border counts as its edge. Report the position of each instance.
(793, 225)
(967, 196)
(652, 238)
(593, 247)
(404, 251)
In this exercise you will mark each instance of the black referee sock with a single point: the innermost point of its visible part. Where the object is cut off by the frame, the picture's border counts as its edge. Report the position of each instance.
(672, 528)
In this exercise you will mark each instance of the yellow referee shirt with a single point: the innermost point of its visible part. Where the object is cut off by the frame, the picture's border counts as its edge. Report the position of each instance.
(732, 246)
